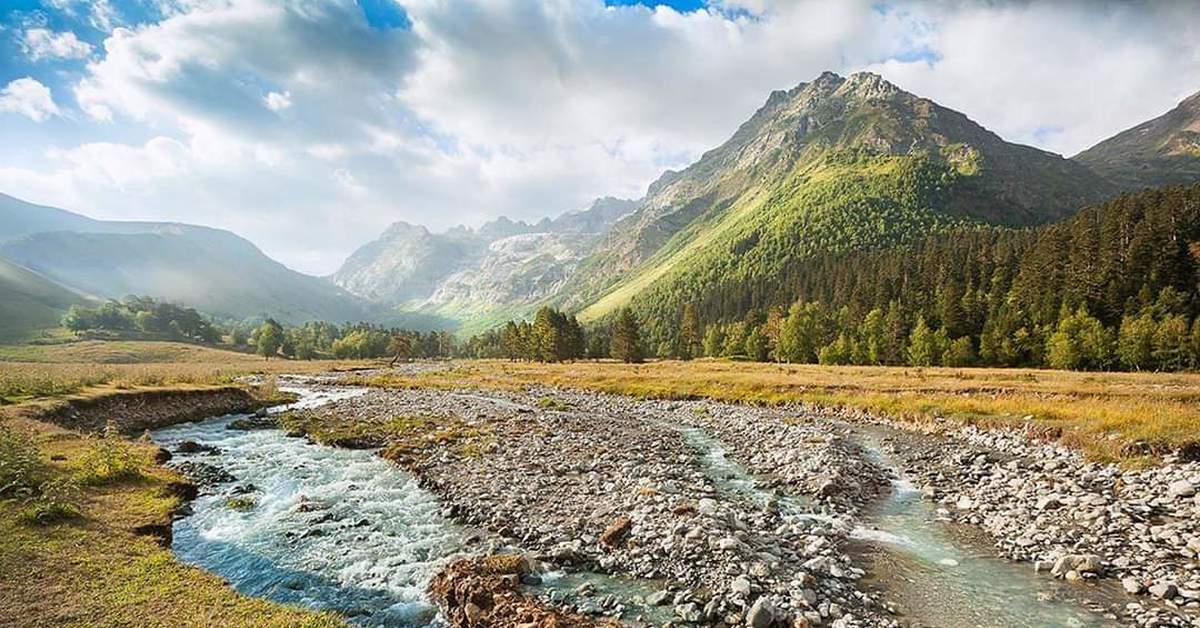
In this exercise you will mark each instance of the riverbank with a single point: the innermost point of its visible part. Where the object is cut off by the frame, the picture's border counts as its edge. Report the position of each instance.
(103, 563)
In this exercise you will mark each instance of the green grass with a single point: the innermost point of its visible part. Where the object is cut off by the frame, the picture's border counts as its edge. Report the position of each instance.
(75, 560)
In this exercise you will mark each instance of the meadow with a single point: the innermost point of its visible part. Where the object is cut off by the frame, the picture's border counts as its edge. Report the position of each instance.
(1111, 416)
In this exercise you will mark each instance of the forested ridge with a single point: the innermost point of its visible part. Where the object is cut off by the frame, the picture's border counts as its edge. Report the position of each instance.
(1114, 286)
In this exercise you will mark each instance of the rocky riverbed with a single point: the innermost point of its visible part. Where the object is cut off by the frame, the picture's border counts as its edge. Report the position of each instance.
(708, 513)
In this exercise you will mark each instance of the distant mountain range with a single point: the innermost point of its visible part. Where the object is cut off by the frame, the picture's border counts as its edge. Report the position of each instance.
(477, 276)
(209, 269)
(832, 165)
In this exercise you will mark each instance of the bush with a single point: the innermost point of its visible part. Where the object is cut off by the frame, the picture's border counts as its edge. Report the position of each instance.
(110, 459)
(54, 503)
(21, 469)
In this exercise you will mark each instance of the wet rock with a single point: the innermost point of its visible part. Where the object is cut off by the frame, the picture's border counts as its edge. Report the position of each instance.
(203, 474)
(658, 598)
(192, 447)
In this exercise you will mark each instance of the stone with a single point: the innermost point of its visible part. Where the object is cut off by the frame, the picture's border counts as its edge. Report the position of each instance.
(658, 598)
(1132, 585)
(740, 586)
(1164, 590)
(762, 613)
(689, 612)
(1181, 488)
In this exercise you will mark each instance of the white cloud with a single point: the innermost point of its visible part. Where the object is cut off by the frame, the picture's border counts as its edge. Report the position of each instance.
(488, 107)
(41, 43)
(28, 97)
(276, 101)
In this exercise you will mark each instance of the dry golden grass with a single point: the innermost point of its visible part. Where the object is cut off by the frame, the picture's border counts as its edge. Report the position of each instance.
(48, 371)
(1109, 415)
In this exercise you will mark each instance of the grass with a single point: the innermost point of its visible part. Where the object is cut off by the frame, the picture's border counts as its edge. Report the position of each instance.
(29, 372)
(403, 439)
(1111, 416)
(76, 561)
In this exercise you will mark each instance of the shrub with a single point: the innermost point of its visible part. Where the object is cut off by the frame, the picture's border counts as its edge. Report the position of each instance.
(110, 459)
(21, 467)
(54, 503)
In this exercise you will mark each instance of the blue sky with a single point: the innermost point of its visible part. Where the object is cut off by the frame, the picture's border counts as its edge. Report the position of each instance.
(309, 125)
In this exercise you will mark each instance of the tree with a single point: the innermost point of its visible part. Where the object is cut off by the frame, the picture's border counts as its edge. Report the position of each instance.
(840, 351)
(714, 339)
(758, 346)
(960, 352)
(925, 346)
(690, 333)
(1170, 342)
(269, 338)
(1079, 342)
(1135, 341)
(626, 344)
(873, 332)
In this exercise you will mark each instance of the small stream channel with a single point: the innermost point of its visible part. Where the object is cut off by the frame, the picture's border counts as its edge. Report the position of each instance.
(944, 580)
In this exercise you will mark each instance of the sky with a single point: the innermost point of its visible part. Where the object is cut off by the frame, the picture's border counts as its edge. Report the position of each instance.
(308, 126)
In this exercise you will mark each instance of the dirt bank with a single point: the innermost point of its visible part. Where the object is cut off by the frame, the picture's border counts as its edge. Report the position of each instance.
(134, 411)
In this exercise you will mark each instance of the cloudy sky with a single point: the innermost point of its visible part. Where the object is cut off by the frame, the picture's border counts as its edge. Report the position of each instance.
(309, 125)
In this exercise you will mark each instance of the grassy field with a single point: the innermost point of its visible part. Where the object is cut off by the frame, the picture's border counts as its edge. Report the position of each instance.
(1111, 416)
(29, 372)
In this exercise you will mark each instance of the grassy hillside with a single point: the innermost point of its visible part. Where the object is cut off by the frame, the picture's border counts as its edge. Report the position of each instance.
(834, 165)
(29, 302)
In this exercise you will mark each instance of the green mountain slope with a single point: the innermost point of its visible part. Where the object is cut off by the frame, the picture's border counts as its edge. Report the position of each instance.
(30, 302)
(835, 164)
(212, 270)
(1159, 152)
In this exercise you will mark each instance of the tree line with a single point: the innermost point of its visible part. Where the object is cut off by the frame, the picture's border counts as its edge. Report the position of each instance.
(1117, 286)
(554, 336)
(144, 317)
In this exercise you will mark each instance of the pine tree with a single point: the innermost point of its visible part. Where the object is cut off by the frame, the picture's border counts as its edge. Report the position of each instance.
(690, 333)
(714, 340)
(626, 344)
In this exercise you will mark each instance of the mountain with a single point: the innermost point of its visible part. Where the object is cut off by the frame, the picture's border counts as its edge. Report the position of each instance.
(476, 276)
(1160, 152)
(30, 302)
(831, 165)
(211, 270)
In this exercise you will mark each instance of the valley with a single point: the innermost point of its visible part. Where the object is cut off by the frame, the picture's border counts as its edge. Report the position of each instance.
(865, 363)
(674, 504)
